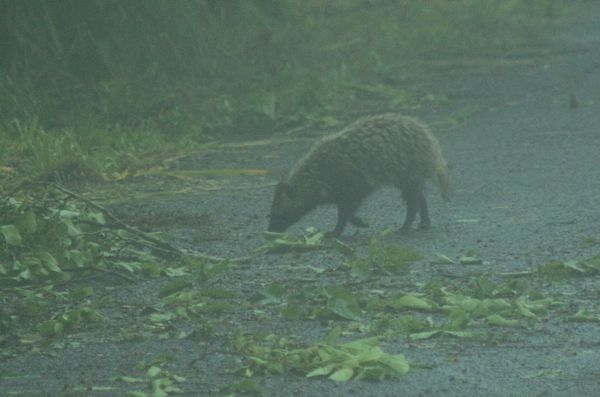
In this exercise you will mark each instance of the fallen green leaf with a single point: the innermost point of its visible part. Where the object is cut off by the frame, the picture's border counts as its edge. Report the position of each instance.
(342, 375)
(498, 320)
(11, 235)
(411, 301)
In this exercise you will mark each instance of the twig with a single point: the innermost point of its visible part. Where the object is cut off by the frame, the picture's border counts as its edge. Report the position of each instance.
(158, 243)
(100, 270)
(517, 274)
(116, 220)
(217, 259)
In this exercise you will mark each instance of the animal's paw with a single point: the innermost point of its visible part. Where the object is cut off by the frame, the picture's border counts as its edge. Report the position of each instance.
(358, 221)
(424, 226)
(406, 229)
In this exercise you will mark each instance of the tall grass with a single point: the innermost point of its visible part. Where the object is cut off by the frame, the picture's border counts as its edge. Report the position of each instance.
(206, 67)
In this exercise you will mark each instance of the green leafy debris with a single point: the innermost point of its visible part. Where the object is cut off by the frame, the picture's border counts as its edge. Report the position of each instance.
(11, 235)
(393, 326)
(53, 237)
(283, 242)
(583, 315)
(159, 382)
(559, 270)
(359, 359)
(470, 260)
(245, 387)
(544, 373)
(412, 301)
(498, 320)
(520, 304)
(383, 258)
(342, 302)
(48, 241)
(69, 320)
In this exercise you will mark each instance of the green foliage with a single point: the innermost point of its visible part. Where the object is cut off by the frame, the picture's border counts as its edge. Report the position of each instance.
(69, 154)
(559, 270)
(245, 387)
(446, 310)
(412, 301)
(483, 287)
(200, 66)
(383, 258)
(187, 298)
(360, 359)
(51, 236)
(199, 270)
(340, 302)
(331, 302)
(392, 326)
(51, 239)
(41, 242)
(204, 301)
(160, 382)
(284, 242)
(584, 315)
(68, 320)
(40, 315)
(47, 152)
(495, 311)
(87, 87)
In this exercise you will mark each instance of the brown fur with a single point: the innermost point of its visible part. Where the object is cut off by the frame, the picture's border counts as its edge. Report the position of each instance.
(344, 168)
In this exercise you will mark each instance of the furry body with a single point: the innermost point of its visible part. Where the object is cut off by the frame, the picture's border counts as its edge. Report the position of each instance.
(346, 167)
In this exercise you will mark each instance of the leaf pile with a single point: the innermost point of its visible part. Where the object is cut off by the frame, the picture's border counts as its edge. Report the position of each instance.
(51, 242)
(44, 240)
(51, 237)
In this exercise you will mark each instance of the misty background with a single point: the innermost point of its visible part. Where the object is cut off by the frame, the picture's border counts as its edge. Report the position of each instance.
(137, 74)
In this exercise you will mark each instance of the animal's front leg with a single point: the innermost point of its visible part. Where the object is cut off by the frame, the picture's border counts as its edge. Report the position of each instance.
(358, 221)
(345, 213)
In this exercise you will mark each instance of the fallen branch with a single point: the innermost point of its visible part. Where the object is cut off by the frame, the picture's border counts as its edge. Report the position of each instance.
(159, 244)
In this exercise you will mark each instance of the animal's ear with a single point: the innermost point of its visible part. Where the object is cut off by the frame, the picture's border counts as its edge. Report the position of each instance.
(285, 190)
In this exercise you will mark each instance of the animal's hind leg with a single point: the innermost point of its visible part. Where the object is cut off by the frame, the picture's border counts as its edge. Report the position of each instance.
(423, 212)
(411, 198)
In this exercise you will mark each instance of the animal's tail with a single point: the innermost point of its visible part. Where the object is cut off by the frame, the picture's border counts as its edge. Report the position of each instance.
(442, 176)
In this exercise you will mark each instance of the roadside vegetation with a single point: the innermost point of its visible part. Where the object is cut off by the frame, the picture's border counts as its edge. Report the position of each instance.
(97, 84)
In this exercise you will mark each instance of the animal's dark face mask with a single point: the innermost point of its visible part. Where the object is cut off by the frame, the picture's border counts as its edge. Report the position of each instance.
(286, 209)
